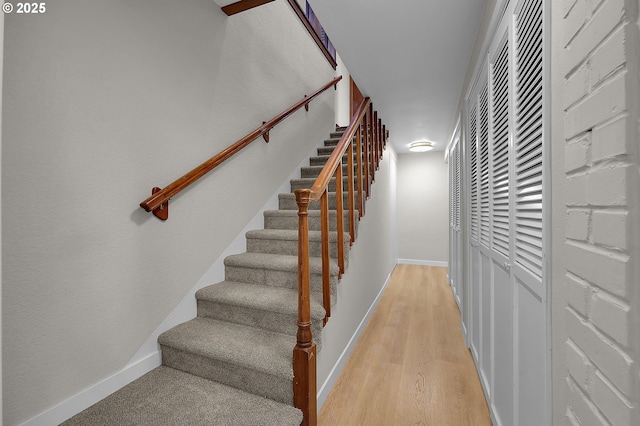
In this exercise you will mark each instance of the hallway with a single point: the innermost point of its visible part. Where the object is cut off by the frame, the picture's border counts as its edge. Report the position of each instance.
(411, 365)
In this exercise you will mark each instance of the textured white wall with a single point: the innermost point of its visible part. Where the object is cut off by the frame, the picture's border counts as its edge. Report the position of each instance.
(599, 69)
(423, 207)
(104, 100)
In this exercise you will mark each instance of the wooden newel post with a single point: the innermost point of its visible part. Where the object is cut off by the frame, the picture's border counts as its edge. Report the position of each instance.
(304, 353)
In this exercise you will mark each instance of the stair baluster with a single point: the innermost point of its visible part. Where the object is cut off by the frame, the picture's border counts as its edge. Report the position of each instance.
(304, 353)
(350, 190)
(359, 165)
(365, 128)
(339, 218)
(326, 275)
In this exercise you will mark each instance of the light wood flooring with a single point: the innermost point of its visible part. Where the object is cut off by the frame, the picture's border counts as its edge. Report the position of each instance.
(410, 365)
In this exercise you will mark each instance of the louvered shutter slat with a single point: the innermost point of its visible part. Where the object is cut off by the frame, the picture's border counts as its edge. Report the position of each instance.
(529, 142)
(473, 150)
(500, 150)
(483, 142)
(527, 99)
(528, 138)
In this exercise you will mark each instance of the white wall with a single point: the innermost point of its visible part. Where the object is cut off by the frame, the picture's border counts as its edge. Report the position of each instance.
(423, 208)
(372, 259)
(103, 101)
(596, 159)
(343, 99)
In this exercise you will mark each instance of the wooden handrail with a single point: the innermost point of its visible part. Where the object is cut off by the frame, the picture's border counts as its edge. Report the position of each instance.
(158, 201)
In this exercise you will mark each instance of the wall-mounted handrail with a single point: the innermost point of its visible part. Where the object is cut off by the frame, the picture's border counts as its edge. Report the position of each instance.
(363, 130)
(157, 203)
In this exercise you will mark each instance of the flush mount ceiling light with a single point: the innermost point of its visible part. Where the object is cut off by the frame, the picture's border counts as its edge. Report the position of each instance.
(422, 146)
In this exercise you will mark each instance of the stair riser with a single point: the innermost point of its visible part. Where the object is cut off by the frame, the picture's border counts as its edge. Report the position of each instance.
(273, 321)
(267, 385)
(288, 247)
(290, 203)
(275, 278)
(291, 222)
(302, 184)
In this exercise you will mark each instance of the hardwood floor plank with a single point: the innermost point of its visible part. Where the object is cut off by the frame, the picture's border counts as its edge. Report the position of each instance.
(410, 366)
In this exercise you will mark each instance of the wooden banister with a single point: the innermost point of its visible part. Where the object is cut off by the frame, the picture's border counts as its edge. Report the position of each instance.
(363, 123)
(158, 201)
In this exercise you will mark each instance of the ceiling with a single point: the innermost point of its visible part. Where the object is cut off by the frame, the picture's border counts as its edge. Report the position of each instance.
(409, 56)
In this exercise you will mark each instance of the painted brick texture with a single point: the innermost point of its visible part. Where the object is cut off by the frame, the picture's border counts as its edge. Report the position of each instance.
(601, 127)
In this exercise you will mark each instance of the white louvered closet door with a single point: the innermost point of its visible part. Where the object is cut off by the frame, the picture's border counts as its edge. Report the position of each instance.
(528, 261)
(508, 318)
(500, 130)
(473, 306)
(455, 234)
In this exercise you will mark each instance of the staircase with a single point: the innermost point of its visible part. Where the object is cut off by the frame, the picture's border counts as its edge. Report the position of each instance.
(232, 364)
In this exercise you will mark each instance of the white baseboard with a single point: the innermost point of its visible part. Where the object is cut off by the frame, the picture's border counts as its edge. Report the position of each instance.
(458, 301)
(439, 263)
(465, 336)
(328, 384)
(70, 407)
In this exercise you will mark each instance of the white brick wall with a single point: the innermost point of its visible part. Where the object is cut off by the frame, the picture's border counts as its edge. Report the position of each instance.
(602, 252)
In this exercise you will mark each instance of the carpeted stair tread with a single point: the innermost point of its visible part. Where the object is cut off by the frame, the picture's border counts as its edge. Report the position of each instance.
(291, 235)
(248, 347)
(276, 262)
(307, 182)
(285, 242)
(334, 139)
(325, 151)
(314, 171)
(288, 219)
(292, 213)
(166, 396)
(321, 159)
(275, 299)
(287, 201)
